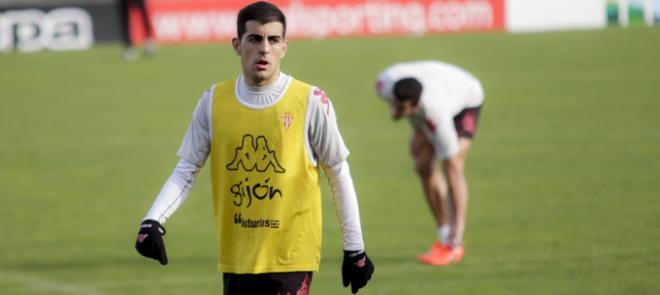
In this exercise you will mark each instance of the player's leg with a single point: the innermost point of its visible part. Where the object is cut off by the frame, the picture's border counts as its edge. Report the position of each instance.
(149, 43)
(466, 126)
(123, 7)
(457, 201)
(435, 188)
(144, 14)
(130, 53)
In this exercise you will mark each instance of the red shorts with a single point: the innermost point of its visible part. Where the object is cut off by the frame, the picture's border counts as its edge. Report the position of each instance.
(466, 122)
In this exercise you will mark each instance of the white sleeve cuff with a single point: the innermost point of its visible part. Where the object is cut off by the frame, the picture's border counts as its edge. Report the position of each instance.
(174, 192)
(346, 204)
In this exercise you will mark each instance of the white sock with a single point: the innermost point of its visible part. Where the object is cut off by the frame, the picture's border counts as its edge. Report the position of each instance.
(443, 234)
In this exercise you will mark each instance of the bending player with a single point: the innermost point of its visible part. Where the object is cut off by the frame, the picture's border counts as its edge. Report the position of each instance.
(442, 103)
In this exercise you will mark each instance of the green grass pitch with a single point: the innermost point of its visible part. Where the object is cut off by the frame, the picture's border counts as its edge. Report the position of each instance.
(564, 173)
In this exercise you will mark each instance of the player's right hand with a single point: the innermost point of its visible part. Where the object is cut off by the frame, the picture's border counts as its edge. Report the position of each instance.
(149, 241)
(356, 270)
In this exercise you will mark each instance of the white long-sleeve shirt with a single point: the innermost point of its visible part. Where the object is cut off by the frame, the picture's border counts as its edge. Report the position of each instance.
(446, 91)
(324, 145)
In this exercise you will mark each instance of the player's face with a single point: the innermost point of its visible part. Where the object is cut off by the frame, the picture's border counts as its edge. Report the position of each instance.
(261, 48)
(400, 109)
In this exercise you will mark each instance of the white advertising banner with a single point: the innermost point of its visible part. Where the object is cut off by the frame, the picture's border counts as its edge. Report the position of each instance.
(552, 15)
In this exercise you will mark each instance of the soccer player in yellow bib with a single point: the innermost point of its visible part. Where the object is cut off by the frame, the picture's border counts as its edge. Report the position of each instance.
(267, 134)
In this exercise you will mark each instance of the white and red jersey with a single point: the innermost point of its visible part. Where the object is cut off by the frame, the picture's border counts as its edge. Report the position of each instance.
(446, 91)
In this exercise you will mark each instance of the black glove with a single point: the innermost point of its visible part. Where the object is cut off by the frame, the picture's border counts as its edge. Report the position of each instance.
(356, 269)
(149, 241)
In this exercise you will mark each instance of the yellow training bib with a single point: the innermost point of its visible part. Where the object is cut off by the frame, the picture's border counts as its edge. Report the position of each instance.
(266, 191)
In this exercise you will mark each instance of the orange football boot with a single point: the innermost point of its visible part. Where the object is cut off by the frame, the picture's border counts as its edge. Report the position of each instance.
(441, 255)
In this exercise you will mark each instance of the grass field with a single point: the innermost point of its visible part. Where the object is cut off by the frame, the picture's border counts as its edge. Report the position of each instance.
(564, 173)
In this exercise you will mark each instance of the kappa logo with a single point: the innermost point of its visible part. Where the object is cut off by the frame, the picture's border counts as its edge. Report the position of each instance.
(255, 154)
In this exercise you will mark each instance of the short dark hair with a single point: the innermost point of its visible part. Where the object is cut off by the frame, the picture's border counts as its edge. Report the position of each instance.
(263, 12)
(408, 89)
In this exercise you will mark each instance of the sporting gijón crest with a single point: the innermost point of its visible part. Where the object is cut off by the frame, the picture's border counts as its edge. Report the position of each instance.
(287, 119)
(256, 157)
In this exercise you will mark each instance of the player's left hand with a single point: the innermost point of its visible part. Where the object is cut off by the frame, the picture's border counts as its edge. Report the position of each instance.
(149, 241)
(356, 269)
